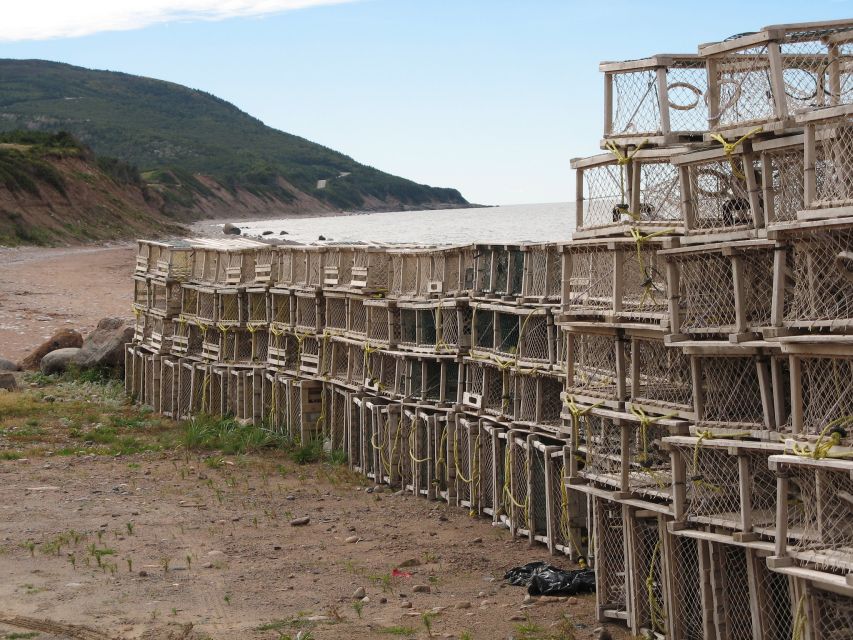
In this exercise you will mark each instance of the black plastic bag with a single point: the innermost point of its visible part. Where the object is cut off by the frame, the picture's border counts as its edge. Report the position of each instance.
(543, 579)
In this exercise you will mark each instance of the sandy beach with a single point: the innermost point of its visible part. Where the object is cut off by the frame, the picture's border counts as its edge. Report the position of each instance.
(44, 290)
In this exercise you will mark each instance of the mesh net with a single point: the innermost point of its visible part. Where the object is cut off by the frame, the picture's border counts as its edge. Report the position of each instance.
(758, 286)
(664, 375)
(257, 301)
(487, 498)
(306, 312)
(636, 104)
(808, 66)
(189, 301)
(833, 615)
(260, 344)
(448, 321)
(483, 329)
(827, 391)
(432, 383)
(463, 451)
(525, 389)
(140, 292)
(610, 561)
(535, 342)
(591, 284)
(229, 307)
(516, 502)
(602, 450)
(426, 328)
(822, 282)
(686, 620)
(731, 589)
(774, 602)
(315, 268)
(785, 183)
(280, 301)
(706, 295)
(552, 404)
(207, 306)
(167, 383)
(420, 454)
(593, 365)
(743, 81)
(357, 318)
(644, 292)
(820, 529)
(649, 592)
(285, 266)
(538, 495)
(605, 193)
(336, 314)
(833, 173)
(731, 393)
(718, 195)
(408, 327)
(483, 271)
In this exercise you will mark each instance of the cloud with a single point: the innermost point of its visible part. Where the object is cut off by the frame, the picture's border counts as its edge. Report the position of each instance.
(47, 19)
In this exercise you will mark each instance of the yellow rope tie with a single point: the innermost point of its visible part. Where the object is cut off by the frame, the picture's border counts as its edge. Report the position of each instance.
(273, 404)
(648, 279)
(441, 461)
(730, 147)
(566, 521)
(655, 608)
(475, 477)
(412, 440)
(830, 436)
(321, 419)
(647, 421)
(578, 413)
(623, 160)
(798, 630)
(507, 490)
(696, 478)
(456, 460)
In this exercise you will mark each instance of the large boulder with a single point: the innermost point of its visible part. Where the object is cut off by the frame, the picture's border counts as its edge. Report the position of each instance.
(62, 339)
(58, 360)
(104, 347)
(8, 382)
(230, 230)
(8, 365)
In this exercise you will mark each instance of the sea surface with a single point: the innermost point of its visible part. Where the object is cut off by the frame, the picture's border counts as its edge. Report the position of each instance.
(512, 223)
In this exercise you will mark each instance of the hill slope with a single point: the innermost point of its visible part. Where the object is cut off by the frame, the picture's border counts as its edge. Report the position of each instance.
(199, 151)
(53, 190)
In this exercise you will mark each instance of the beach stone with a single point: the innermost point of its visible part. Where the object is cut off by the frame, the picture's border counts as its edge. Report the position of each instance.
(267, 233)
(351, 540)
(298, 522)
(421, 588)
(104, 347)
(230, 230)
(7, 365)
(463, 605)
(405, 604)
(7, 381)
(62, 339)
(57, 361)
(359, 593)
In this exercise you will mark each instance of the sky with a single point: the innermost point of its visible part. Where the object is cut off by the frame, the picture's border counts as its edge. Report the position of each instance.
(492, 97)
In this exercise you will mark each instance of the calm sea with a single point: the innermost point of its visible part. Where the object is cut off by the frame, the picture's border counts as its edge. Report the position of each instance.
(513, 223)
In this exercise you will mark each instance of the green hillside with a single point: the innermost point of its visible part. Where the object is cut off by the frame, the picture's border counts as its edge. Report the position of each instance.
(171, 133)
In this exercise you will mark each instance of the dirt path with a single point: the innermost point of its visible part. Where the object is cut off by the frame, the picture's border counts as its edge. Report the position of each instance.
(163, 546)
(43, 290)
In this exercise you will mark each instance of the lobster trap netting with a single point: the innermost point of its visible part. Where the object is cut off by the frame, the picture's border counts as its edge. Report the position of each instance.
(257, 304)
(649, 467)
(534, 343)
(592, 365)
(438, 443)
(408, 327)
(166, 298)
(140, 293)
(464, 448)
(564, 509)
(160, 338)
(167, 388)
(455, 327)
(591, 280)
(507, 327)
(404, 268)
(265, 266)
(687, 83)
(283, 351)
(830, 615)
(280, 308)
(660, 194)
(336, 314)
(687, 619)
(820, 530)
(783, 177)
(388, 374)
(314, 268)
(729, 573)
(299, 268)
(610, 563)
(426, 319)
(742, 80)
(516, 496)
(537, 271)
(827, 393)
(833, 171)
(284, 260)
(758, 286)
(644, 292)
(525, 393)
(731, 393)
(260, 342)
(538, 509)
(378, 324)
(816, 67)
(488, 495)
(635, 107)
(822, 279)
(189, 301)
(306, 313)
(664, 375)
(605, 194)
(773, 595)
(207, 311)
(482, 327)
(601, 449)
(357, 318)
(648, 580)
(419, 454)
(719, 196)
(229, 307)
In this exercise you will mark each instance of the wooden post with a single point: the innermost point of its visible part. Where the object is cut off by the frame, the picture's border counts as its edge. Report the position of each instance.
(810, 154)
(754, 191)
(698, 389)
(796, 394)
(714, 113)
(608, 104)
(781, 543)
(777, 81)
(663, 100)
(578, 199)
(687, 209)
(621, 373)
(744, 486)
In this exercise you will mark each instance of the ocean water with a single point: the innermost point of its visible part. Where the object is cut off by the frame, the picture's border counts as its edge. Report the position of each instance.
(512, 223)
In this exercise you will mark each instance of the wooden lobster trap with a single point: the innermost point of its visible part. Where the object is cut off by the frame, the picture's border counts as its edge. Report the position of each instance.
(225, 263)
(383, 373)
(164, 261)
(820, 395)
(433, 379)
(190, 388)
(337, 266)
(659, 100)
(337, 404)
(720, 193)
(427, 450)
(345, 362)
(187, 338)
(597, 365)
(813, 526)
(308, 311)
(245, 394)
(217, 391)
(525, 336)
(302, 267)
(377, 321)
(266, 266)
(624, 453)
(649, 572)
(828, 190)
(733, 388)
(463, 463)
(168, 386)
(659, 376)
(371, 270)
(283, 351)
(609, 557)
(499, 272)
(165, 298)
(134, 372)
(281, 308)
(258, 305)
(536, 400)
(722, 290)
(486, 388)
(628, 188)
(516, 490)
(554, 513)
(825, 612)
(491, 469)
(372, 445)
(236, 345)
(782, 178)
(441, 326)
(231, 308)
(764, 78)
(724, 483)
(617, 279)
(158, 336)
(357, 312)
(141, 294)
(335, 312)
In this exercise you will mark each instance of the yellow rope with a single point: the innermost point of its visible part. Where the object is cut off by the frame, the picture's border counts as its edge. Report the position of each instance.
(622, 160)
(655, 608)
(507, 489)
(648, 279)
(830, 436)
(730, 147)
(800, 620)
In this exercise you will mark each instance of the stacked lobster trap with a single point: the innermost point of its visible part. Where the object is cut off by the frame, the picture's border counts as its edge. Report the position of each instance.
(705, 319)
(668, 397)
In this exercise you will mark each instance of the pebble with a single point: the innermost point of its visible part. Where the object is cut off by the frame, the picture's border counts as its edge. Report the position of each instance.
(405, 604)
(477, 540)
(421, 588)
(482, 594)
(290, 498)
(298, 522)
(529, 598)
(411, 562)
(383, 600)
(366, 599)
(573, 600)
(517, 618)
(463, 605)
(359, 593)
(352, 539)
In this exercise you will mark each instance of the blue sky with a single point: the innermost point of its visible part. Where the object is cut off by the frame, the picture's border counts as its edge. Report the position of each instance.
(490, 96)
